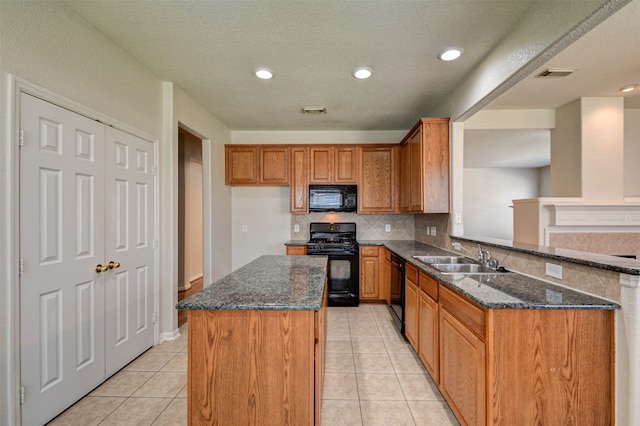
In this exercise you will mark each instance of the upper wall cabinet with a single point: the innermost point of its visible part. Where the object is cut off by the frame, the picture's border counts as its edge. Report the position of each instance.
(329, 164)
(424, 167)
(257, 165)
(299, 191)
(377, 184)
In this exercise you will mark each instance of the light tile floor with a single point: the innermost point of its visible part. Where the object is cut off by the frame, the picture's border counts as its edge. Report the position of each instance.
(372, 377)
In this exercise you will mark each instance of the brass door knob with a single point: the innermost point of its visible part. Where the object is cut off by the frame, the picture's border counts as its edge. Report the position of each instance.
(114, 265)
(101, 268)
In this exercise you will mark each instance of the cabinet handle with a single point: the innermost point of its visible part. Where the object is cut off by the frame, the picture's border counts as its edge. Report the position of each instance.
(101, 268)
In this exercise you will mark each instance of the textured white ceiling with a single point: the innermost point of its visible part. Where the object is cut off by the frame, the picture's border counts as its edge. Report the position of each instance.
(210, 48)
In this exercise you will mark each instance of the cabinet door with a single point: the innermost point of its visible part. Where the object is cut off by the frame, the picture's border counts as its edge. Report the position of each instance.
(428, 334)
(462, 370)
(377, 180)
(241, 165)
(385, 278)
(405, 177)
(299, 191)
(296, 250)
(411, 308)
(346, 165)
(369, 273)
(416, 178)
(274, 166)
(436, 166)
(321, 164)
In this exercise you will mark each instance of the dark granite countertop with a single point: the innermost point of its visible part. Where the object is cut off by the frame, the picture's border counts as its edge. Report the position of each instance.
(594, 260)
(269, 282)
(500, 290)
(296, 243)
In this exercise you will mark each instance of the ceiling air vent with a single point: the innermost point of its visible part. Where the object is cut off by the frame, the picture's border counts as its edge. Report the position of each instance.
(555, 72)
(314, 110)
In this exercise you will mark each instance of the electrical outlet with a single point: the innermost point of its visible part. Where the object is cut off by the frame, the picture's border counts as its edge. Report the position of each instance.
(387, 228)
(458, 218)
(245, 228)
(553, 270)
(553, 296)
(296, 228)
(433, 231)
(457, 246)
(428, 231)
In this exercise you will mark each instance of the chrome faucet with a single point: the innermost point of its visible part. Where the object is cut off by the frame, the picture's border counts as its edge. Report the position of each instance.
(484, 257)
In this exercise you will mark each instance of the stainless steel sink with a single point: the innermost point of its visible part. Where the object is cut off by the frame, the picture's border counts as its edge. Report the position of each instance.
(463, 268)
(443, 259)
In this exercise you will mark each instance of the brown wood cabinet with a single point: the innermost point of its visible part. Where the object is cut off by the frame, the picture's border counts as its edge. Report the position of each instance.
(241, 164)
(512, 366)
(256, 165)
(428, 329)
(345, 165)
(377, 184)
(462, 358)
(274, 165)
(333, 164)
(385, 279)
(424, 165)
(370, 268)
(256, 366)
(411, 309)
(321, 164)
(299, 189)
(296, 250)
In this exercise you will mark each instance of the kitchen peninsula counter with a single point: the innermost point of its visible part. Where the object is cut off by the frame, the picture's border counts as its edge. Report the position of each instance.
(499, 290)
(256, 343)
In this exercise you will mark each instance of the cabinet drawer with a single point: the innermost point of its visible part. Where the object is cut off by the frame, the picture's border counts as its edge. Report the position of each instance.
(369, 251)
(411, 273)
(429, 285)
(469, 314)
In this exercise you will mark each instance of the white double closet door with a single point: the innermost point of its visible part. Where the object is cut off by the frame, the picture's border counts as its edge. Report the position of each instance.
(86, 203)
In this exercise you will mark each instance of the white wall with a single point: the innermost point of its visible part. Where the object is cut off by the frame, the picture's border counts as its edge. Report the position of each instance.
(265, 212)
(46, 45)
(488, 195)
(632, 153)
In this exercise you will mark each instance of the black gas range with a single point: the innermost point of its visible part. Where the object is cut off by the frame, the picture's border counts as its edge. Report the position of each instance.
(338, 242)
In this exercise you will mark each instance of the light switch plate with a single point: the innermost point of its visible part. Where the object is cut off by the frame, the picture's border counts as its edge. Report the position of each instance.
(433, 231)
(245, 228)
(296, 228)
(387, 228)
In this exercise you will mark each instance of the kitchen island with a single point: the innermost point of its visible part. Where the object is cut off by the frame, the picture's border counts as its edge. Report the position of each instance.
(256, 341)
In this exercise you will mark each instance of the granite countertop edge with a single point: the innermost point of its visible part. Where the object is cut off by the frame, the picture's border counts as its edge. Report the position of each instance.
(593, 260)
(469, 287)
(271, 282)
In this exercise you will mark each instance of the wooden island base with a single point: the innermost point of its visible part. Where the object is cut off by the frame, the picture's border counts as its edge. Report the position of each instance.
(255, 367)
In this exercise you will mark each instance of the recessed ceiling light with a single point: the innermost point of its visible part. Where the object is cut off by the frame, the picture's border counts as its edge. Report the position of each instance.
(450, 54)
(362, 73)
(263, 73)
(629, 88)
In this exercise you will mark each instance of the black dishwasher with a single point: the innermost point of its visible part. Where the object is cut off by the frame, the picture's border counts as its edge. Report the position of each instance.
(397, 291)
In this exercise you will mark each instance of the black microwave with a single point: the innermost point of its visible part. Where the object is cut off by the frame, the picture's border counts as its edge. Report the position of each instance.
(333, 198)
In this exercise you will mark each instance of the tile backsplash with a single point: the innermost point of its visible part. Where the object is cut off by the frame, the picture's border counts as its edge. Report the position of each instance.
(368, 226)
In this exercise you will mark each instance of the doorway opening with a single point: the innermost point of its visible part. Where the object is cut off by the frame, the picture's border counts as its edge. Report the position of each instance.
(190, 217)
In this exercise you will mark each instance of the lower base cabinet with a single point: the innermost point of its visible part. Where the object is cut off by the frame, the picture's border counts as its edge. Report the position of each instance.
(512, 366)
(256, 366)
